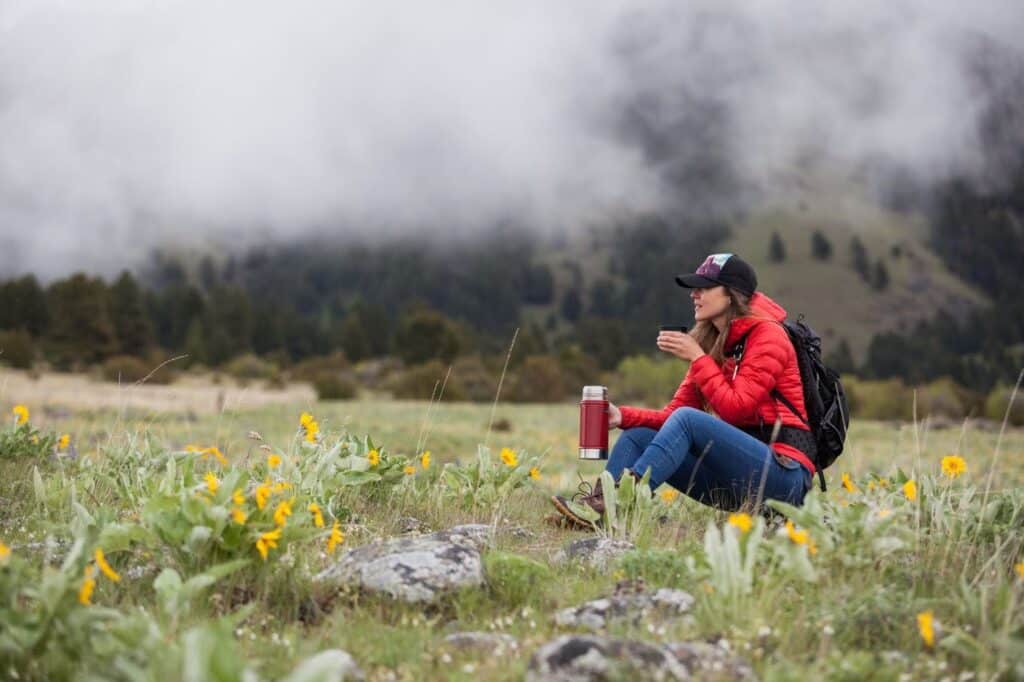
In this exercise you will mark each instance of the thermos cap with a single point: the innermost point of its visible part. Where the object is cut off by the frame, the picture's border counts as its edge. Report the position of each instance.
(595, 393)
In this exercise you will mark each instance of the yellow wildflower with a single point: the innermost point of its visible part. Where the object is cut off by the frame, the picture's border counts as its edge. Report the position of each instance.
(34, 439)
(871, 486)
(237, 497)
(535, 473)
(218, 455)
(268, 541)
(910, 490)
(63, 442)
(262, 495)
(318, 517)
(926, 626)
(282, 512)
(953, 466)
(21, 414)
(425, 459)
(101, 561)
(1019, 568)
(310, 426)
(193, 448)
(742, 521)
(5, 553)
(238, 514)
(848, 484)
(274, 461)
(211, 482)
(335, 539)
(88, 585)
(800, 537)
(374, 457)
(884, 513)
(281, 486)
(668, 495)
(508, 456)
(409, 469)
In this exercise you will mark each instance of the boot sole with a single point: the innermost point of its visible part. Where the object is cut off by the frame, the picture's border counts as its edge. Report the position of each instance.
(576, 522)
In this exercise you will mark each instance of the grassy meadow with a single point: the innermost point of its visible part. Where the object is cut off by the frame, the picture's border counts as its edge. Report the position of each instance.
(874, 579)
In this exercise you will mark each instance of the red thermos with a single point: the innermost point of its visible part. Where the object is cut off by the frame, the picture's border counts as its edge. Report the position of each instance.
(594, 423)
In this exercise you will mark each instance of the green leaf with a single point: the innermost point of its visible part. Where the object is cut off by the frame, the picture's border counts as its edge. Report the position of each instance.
(610, 501)
(84, 516)
(198, 537)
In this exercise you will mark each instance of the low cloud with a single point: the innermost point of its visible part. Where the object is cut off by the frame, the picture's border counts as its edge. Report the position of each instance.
(125, 126)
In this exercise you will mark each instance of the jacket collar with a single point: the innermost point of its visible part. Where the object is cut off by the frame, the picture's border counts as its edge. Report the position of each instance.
(763, 309)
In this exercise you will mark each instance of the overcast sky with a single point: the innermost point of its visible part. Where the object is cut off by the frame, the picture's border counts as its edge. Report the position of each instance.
(129, 124)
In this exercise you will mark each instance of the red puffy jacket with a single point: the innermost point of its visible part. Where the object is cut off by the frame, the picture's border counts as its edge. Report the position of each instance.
(742, 396)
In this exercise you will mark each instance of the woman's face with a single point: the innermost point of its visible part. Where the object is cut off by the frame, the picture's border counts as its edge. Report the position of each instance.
(709, 303)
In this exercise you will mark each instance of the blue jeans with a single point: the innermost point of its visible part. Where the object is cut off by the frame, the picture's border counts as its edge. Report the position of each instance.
(709, 460)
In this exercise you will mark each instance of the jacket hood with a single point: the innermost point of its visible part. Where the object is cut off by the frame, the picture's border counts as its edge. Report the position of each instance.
(763, 309)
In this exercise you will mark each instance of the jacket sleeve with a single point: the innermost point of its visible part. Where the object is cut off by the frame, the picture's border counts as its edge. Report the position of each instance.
(687, 395)
(737, 401)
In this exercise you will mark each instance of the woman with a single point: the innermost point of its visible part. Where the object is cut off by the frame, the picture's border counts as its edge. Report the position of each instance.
(726, 439)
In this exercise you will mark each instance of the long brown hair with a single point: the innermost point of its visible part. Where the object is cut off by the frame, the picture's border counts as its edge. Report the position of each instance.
(706, 333)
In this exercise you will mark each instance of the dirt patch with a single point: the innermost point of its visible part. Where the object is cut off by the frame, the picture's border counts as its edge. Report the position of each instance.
(190, 394)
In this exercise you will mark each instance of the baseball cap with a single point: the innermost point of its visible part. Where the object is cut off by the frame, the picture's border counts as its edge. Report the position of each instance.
(723, 269)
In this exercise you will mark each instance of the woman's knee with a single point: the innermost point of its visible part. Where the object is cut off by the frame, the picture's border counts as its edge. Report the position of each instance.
(638, 436)
(685, 415)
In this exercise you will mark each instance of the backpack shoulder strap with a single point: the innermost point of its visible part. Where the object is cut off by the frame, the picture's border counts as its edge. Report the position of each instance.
(792, 408)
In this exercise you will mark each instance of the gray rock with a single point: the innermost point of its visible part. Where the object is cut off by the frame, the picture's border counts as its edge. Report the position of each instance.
(413, 569)
(581, 658)
(332, 665)
(595, 552)
(705, 661)
(595, 615)
(482, 641)
(479, 535)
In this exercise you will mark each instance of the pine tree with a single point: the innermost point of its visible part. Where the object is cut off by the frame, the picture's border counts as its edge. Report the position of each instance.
(776, 249)
(195, 344)
(571, 305)
(133, 329)
(880, 276)
(859, 258)
(80, 328)
(841, 359)
(821, 247)
(23, 306)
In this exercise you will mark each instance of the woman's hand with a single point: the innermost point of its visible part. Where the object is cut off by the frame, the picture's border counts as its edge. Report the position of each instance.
(681, 345)
(614, 416)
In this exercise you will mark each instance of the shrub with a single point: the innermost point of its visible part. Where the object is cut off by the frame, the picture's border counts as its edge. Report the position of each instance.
(424, 381)
(998, 399)
(888, 399)
(539, 380)
(478, 383)
(945, 398)
(313, 368)
(516, 580)
(125, 369)
(645, 380)
(249, 366)
(18, 349)
(334, 387)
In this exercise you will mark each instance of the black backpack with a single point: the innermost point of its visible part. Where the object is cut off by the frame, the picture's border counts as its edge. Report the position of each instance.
(828, 414)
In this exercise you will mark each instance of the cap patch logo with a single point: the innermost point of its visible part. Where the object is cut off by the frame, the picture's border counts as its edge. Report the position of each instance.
(712, 265)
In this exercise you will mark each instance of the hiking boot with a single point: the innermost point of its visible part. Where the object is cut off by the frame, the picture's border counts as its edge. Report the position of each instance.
(587, 501)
